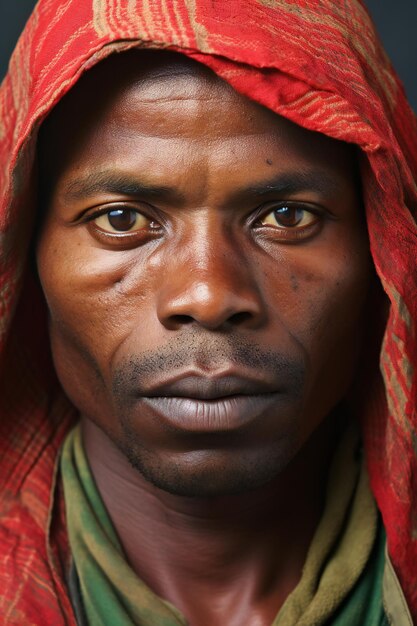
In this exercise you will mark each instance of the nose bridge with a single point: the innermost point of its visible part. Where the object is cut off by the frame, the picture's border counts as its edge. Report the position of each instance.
(213, 254)
(210, 281)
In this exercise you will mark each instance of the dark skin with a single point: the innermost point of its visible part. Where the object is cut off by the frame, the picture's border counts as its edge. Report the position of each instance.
(206, 269)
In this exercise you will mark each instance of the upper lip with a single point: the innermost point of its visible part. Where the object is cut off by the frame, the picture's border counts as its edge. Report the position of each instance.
(210, 388)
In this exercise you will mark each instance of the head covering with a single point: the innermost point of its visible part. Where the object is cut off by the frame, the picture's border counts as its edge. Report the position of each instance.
(316, 62)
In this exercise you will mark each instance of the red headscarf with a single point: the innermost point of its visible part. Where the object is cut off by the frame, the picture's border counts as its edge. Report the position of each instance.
(316, 62)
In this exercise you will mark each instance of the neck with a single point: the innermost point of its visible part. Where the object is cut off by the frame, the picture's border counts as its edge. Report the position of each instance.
(209, 556)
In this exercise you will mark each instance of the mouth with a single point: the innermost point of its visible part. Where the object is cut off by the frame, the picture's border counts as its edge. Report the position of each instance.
(208, 416)
(200, 404)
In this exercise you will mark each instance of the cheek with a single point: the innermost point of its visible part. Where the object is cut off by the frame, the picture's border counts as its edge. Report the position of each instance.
(328, 284)
(92, 316)
(87, 295)
(327, 319)
(334, 309)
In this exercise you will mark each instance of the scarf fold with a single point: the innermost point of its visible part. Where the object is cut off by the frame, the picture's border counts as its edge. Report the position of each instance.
(341, 579)
(111, 592)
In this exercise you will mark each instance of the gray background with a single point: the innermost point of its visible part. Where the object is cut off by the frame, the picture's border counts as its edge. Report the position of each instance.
(396, 21)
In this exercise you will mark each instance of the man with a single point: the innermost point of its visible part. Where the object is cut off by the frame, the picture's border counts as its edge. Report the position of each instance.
(215, 320)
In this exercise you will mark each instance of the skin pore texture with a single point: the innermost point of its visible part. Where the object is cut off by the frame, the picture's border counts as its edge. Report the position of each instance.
(206, 268)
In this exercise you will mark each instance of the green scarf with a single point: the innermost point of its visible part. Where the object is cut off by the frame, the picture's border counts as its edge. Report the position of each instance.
(111, 592)
(341, 583)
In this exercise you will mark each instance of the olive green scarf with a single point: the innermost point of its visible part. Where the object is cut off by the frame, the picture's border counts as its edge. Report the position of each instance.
(341, 581)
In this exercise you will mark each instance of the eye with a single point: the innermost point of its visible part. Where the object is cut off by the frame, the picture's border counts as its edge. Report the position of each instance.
(289, 216)
(122, 220)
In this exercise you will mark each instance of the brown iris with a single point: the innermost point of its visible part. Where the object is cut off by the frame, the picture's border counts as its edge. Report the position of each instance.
(122, 219)
(289, 216)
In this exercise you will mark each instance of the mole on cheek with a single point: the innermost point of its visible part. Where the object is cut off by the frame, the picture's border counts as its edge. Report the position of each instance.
(309, 278)
(268, 161)
(294, 282)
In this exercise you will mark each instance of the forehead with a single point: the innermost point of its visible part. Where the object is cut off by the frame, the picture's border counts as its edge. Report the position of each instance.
(147, 100)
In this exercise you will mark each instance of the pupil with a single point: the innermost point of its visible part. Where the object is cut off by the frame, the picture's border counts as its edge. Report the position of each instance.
(289, 216)
(122, 219)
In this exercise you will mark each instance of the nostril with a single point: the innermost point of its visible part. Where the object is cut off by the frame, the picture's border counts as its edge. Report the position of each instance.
(182, 319)
(235, 319)
(214, 306)
(240, 318)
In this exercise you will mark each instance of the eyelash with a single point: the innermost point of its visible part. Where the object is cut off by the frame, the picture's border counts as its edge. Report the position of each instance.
(89, 217)
(122, 240)
(284, 234)
(289, 233)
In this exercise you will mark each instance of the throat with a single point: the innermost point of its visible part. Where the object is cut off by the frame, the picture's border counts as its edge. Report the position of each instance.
(206, 554)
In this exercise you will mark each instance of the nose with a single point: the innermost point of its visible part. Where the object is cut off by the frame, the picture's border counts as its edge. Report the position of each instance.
(213, 285)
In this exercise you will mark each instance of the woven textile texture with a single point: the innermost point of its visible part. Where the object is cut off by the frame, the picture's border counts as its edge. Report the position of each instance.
(319, 64)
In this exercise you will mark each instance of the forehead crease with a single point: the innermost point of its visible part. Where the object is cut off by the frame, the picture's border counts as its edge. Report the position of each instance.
(216, 122)
(180, 87)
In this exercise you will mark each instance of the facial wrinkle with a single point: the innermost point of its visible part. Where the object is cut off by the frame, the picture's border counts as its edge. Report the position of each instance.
(196, 350)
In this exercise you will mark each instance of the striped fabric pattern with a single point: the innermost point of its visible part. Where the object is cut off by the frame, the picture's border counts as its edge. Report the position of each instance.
(316, 62)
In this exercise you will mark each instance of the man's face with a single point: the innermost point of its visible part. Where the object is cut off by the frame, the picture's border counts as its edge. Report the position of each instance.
(206, 267)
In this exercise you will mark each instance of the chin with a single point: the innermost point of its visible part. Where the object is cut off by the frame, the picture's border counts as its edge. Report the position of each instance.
(209, 473)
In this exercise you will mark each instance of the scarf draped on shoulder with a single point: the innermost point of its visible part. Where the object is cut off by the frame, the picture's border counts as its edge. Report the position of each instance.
(318, 63)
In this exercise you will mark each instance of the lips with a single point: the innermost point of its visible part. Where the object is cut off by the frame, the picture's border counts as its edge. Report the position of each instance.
(199, 404)
(210, 388)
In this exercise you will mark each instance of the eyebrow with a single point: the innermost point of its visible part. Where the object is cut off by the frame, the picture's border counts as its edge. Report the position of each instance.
(286, 183)
(316, 179)
(112, 182)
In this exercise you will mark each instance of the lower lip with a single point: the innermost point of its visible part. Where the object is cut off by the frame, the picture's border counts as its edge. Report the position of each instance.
(209, 416)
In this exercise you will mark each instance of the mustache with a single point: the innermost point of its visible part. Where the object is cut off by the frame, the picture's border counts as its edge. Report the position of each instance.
(137, 373)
